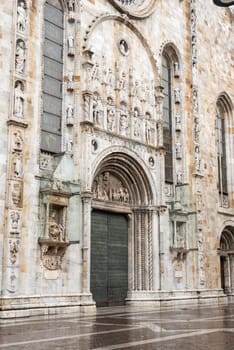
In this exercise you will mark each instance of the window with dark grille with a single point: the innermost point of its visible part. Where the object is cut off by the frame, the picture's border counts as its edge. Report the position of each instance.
(53, 76)
(221, 149)
(167, 127)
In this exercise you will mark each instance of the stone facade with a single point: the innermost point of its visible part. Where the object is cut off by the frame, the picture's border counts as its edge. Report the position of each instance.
(181, 234)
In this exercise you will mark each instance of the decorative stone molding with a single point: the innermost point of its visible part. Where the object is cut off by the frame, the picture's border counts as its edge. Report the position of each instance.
(137, 9)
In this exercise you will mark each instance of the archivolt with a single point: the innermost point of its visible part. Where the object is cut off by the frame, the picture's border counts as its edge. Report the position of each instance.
(131, 174)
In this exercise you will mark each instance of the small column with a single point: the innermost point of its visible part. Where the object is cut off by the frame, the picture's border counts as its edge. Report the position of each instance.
(86, 247)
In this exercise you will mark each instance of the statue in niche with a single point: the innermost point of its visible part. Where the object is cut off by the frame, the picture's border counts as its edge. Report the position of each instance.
(15, 218)
(17, 165)
(109, 78)
(149, 130)
(178, 149)
(122, 81)
(19, 100)
(179, 177)
(21, 17)
(18, 141)
(176, 70)
(95, 73)
(136, 88)
(70, 81)
(178, 122)
(110, 118)
(14, 249)
(123, 122)
(70, 45)
(70, 114)
(177, 96)
(20, 57)
(16, 194)
(56, 230)
(69, 145)
(180, 235)
(97, 110)
(137, 125)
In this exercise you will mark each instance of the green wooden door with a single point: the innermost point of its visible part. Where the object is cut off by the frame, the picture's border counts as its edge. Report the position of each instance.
(109, 258)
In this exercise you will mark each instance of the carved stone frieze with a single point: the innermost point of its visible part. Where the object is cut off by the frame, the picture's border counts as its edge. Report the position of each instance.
(108, 187)
(16, 189)
(15, 221)
(14, 245)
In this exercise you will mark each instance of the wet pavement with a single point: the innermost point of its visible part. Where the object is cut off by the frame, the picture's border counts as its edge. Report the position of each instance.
(185, 328)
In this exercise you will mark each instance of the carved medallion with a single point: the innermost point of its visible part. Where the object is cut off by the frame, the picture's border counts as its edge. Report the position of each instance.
(135, 8)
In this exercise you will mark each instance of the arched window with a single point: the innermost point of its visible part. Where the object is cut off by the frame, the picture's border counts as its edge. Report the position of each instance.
(167, 118)
(52, 76)
(221, 148)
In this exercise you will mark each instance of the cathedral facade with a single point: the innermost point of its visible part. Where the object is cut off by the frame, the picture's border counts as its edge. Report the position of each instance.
(117, 154)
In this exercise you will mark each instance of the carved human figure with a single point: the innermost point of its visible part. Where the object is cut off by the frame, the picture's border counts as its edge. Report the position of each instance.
(137, 125)
(70, 45)
(178, 149)
(70, 81)
(178, 122)
(19, 100)
(122, 81)
(21, 17)
(123, 122)
(14, 249)
(20, 57)
(17, 165)
(69, 145)
(123, 47)
(179, 177)
(176, 70)
(110, 118)
(97, 110)
(71, 5)
(18, 141)
(56, 230)
(15, 218)
(177, 95)
(70, 114)
(16, 194)
(109, 77)
(149, 131)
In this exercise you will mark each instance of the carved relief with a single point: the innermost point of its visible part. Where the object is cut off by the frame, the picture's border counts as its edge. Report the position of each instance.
(19, 99)
(110, 118)
(15, 221)
(56, 229)
(178, 122)
(46, 161)
(177, 95)
(17, 140)
(12, 276)
(17, 166)
(71, 10)
(108, 188)
(13, 250)
(20, 56)
(178, 149)
(16, 194)
(21, 16)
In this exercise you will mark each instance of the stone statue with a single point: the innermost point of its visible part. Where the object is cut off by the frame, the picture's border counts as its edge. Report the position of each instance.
(70, 114)
(70, 45)
(15, 217)
(56, 230)
(20, 57)
(21, 17)
(18, 141)
(110, 118)
(17, 165)
(177, 95)
(19, 100)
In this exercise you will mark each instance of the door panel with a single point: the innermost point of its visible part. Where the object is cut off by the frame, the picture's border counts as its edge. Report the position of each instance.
(109, 258)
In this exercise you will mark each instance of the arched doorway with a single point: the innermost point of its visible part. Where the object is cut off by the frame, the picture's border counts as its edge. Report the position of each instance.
(227, 260)
(121, 230)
